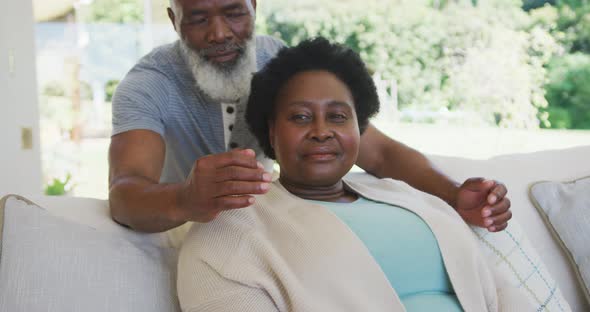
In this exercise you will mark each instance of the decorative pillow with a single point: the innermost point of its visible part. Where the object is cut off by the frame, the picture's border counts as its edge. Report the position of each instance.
(50, 264)
(511, 253)
(565, 208)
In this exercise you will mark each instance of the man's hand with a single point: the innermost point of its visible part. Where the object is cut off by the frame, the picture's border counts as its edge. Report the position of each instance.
(220, 182)
(483, 203)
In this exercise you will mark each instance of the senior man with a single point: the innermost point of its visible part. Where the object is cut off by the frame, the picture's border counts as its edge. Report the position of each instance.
(181, 150)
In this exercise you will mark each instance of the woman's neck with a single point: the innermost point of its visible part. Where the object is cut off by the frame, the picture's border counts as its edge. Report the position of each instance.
(332, 193)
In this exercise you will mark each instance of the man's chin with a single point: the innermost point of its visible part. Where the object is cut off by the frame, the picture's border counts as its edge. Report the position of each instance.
(226, 77)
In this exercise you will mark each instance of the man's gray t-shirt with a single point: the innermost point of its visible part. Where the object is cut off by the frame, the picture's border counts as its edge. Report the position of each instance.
(160, 94)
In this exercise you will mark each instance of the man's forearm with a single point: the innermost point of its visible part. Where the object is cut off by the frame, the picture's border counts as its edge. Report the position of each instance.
(385, 157)
(415, 169)
(143, 205)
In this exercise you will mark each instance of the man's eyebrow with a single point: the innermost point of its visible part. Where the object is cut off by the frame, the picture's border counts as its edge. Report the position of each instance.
(198, 12)
(232, 6)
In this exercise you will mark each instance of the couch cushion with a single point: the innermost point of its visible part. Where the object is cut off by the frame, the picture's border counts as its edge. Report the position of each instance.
(518, 171)
(512, 254)
(565, 208)
(48, 263)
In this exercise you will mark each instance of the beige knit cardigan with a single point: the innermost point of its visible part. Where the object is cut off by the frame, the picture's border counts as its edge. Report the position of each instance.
(287, 254)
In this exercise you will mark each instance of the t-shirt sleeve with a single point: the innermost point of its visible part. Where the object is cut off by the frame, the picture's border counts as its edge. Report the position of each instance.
(270, 45)
(139, 101)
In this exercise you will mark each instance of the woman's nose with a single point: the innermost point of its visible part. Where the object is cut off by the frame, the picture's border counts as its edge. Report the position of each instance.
(218, 31)
(320, 131)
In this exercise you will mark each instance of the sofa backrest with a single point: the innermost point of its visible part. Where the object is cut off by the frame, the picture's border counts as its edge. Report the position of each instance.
(518, 172)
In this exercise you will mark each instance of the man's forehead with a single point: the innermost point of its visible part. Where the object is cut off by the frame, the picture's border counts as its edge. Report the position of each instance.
(211, 3)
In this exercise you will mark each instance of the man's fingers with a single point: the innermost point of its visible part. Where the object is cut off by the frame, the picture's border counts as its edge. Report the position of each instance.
(497, 193)
(244, 158)
(497, 209)
(232, 188)
(498, 228)
(478, 184)
(498, 219)
(234, 202)
(238, 173)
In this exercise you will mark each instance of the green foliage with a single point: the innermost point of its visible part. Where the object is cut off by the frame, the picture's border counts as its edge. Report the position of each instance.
(533, 4)
(115, 11)
(85, 91)
(110, 88)
(57, 89)
(454, 55)
(54, 88)
(59, 187)
(568, 92)
(573, 27)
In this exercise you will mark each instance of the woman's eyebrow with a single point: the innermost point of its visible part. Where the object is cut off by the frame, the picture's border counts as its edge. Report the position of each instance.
(340, 103)
(333, 103)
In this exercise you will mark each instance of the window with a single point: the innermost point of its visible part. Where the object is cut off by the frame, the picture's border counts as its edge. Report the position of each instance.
(461, 78)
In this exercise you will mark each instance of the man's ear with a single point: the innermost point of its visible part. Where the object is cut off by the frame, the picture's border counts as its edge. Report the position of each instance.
(254, 4)
(172, 18)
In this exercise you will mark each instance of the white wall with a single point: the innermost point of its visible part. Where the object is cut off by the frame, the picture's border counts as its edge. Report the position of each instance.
(20, 170)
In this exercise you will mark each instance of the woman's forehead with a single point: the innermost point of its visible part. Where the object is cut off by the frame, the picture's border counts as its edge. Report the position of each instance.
(315, 87)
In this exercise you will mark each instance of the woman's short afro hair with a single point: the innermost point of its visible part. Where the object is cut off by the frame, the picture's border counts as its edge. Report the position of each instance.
(309, 55)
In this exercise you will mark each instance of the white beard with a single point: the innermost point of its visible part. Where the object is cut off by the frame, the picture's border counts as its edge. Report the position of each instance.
(227, 85)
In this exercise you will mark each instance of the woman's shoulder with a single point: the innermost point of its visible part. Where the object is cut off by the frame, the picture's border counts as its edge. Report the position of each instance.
(233, 230)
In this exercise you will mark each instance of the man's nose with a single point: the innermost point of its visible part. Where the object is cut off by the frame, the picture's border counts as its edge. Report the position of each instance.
(218, 31)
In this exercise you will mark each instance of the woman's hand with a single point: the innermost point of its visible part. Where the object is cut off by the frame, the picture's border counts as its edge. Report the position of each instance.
(483, 203)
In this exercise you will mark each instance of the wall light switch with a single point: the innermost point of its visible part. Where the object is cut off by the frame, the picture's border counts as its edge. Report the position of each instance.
(11, 63)
(26, 135)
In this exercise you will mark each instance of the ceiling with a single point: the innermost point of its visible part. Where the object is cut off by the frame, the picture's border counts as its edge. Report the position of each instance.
(46, 10)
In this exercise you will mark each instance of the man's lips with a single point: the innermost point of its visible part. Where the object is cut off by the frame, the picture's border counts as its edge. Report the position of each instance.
(222, 56)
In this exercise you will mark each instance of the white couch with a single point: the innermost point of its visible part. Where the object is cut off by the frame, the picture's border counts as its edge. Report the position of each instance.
(517, 171)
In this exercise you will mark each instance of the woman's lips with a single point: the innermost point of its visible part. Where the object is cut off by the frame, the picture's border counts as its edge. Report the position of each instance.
(321, 156)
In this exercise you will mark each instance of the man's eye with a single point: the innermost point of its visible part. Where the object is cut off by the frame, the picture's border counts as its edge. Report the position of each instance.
(197, 21)
(236, 14)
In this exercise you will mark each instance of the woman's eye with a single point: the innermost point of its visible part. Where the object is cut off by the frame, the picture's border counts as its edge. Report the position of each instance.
(338, 117)
(300, 118)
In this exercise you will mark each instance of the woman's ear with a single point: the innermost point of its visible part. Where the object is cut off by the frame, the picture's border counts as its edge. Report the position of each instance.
(271, 134)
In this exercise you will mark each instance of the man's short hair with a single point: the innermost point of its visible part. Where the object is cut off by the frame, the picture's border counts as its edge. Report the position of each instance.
(174, 7)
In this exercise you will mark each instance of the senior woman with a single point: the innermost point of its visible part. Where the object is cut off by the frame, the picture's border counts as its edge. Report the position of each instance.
(319, 241)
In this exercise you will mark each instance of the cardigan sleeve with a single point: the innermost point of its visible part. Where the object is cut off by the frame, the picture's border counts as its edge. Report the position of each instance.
(245, 299)
(201, 288)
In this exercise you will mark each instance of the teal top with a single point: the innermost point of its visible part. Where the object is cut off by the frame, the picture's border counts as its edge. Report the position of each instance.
(405, 248)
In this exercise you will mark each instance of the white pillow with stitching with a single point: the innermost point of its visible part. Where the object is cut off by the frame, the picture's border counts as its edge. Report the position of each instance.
(565, 208)
(51, 264)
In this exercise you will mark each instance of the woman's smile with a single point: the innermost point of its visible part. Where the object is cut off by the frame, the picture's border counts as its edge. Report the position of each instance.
(321, 154)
